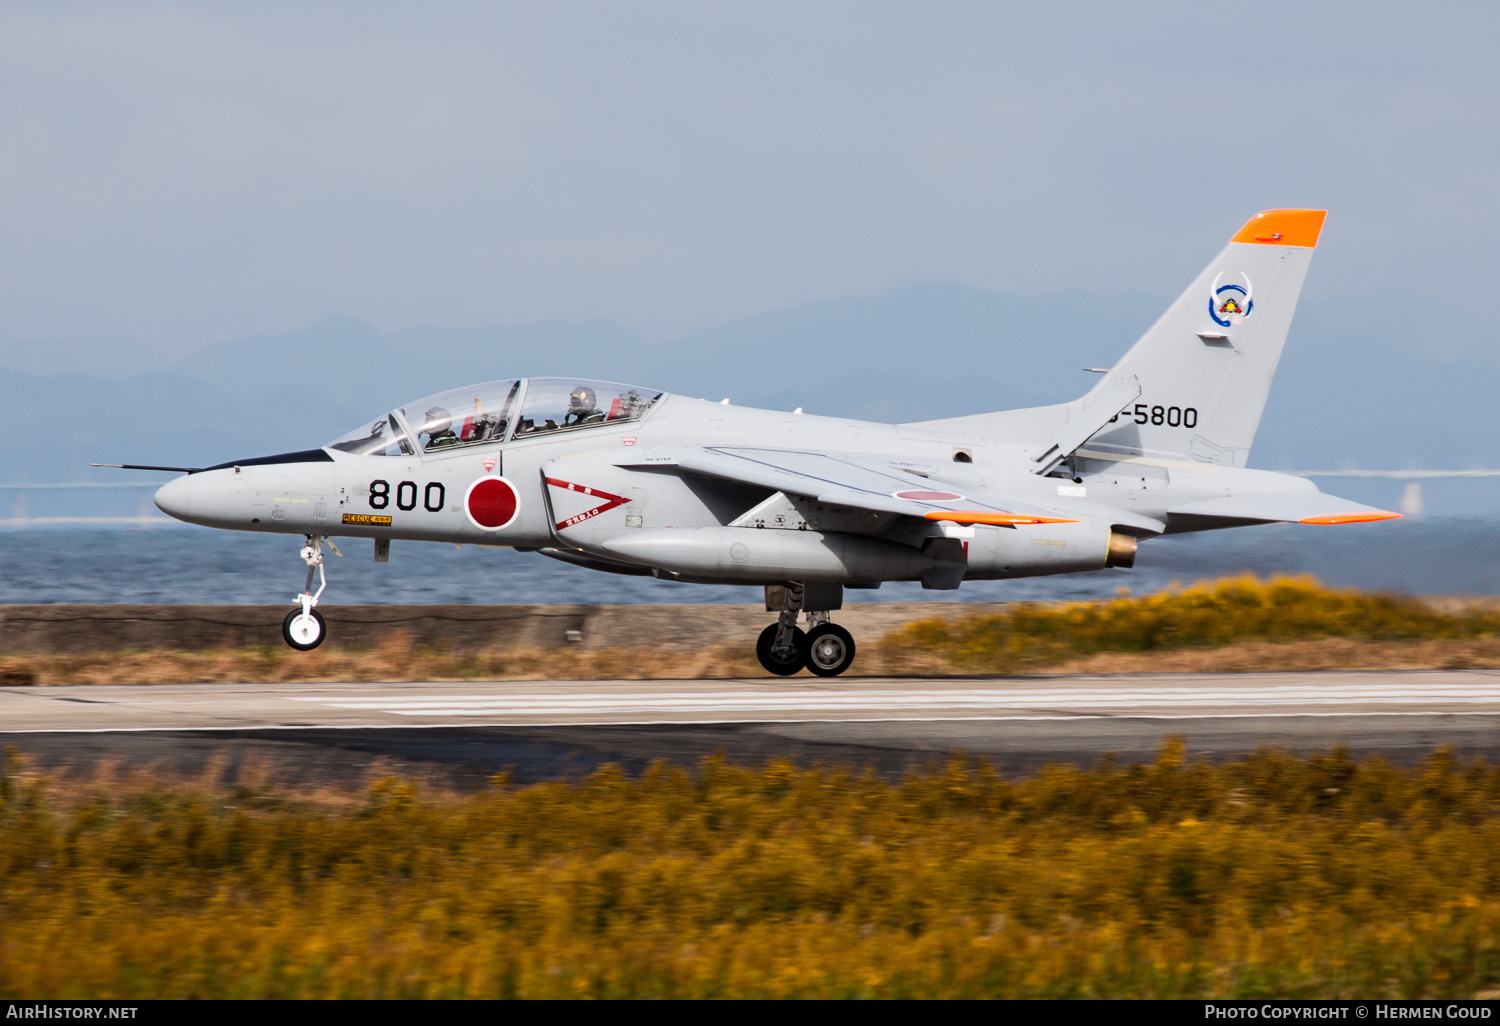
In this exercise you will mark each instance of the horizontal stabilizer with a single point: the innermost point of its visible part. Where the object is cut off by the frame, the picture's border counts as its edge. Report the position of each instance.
(1309, 507)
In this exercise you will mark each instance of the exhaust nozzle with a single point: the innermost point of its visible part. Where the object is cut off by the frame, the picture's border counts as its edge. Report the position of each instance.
(1121, 550)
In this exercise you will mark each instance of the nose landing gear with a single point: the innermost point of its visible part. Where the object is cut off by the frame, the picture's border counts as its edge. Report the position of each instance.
(304, 629)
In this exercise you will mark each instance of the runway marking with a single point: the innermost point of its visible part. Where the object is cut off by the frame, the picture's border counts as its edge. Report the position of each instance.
(1081, 699)
(1162, 699)
(765, 721)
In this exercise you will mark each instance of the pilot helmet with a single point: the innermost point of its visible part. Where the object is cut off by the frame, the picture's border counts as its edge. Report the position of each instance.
(438, 420)
(581, 400)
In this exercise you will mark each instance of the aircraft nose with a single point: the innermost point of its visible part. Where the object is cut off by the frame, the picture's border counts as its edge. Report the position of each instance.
(175, 497)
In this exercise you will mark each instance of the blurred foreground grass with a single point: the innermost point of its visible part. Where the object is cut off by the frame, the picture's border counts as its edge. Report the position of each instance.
(1269, 877)
(1233, 625)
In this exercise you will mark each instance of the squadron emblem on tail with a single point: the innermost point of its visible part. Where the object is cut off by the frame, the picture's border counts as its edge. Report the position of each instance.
(1230, 304)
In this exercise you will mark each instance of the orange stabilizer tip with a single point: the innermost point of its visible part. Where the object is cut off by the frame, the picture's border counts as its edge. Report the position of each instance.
(1283, 228)
(976, 517)
(1351, 518)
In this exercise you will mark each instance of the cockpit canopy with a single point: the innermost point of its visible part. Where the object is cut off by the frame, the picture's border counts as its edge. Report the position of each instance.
(495, 411)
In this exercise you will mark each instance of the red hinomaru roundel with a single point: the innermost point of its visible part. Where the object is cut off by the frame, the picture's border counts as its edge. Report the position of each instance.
(492, 503)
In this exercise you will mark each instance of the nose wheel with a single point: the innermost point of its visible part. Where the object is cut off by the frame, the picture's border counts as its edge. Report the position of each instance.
(304, 631)
(304, 628)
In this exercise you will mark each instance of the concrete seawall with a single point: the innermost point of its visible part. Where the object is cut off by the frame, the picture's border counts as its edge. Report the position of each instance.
(40, 629)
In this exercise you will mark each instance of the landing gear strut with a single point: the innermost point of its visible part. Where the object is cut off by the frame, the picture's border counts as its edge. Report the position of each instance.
(782, 647)
(825, 648)
(304, 629)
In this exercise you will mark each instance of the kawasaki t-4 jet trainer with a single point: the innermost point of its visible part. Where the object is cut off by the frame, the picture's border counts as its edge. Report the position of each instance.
(632, 480)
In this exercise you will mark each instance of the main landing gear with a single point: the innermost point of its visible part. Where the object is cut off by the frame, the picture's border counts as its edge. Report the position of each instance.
(304, 629)
(783, 648)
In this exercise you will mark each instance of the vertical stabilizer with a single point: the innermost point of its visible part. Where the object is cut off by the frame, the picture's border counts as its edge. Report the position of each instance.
(1205, 367)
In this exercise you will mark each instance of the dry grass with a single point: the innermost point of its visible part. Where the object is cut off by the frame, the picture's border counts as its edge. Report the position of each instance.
(397, 659)
(1271, 877)
(1231, 626)
(722, 662)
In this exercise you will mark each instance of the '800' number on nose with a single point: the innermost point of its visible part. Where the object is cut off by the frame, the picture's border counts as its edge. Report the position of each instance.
(433, 496)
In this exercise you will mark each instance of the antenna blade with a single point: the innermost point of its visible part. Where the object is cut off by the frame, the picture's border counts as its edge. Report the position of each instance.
(138, 466)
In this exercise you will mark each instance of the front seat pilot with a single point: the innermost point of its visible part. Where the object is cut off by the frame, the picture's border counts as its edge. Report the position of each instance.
(439, 428)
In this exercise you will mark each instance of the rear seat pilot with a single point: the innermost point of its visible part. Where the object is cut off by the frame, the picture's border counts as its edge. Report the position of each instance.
(583, 407)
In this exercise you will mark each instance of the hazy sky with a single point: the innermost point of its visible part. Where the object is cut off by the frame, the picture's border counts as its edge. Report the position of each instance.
(187, 173)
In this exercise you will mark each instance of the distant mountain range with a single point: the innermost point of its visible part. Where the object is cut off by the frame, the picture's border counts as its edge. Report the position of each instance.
(1385, 381)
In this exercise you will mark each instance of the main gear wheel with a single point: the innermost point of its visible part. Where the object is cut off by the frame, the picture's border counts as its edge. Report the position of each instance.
(830, 650)
(784, 659)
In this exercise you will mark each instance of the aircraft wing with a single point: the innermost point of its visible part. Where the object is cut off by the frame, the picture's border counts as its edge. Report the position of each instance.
(1305, 507)
(851, 481)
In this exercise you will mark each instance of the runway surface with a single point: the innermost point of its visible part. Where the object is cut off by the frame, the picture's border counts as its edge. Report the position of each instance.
(549, 728)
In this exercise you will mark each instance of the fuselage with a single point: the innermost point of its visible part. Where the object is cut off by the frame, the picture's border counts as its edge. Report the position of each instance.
(572, 497)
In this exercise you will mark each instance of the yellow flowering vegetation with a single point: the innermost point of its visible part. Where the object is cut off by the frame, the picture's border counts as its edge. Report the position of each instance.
(1272, 876)
(1207, 615)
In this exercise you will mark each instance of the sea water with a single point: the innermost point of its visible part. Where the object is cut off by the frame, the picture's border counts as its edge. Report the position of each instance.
(1447, 556)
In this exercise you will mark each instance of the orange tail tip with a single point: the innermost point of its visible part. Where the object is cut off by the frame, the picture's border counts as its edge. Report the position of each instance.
(1351, 518)
(1011, 519)
(1283, 228)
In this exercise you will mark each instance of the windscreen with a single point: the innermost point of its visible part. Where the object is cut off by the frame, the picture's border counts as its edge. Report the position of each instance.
(382, 437)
